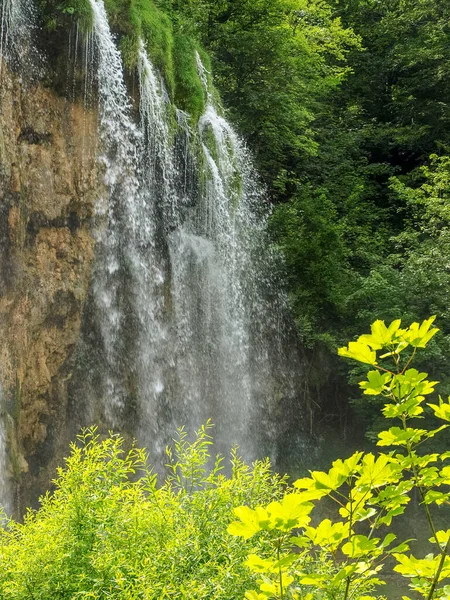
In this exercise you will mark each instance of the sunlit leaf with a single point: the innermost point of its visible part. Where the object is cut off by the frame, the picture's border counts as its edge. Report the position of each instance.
(376, 383)
(442, 410)
(292, 511)
(381, 336)
(396, 436)
(249, 523)
(419, 335)
(360, 352)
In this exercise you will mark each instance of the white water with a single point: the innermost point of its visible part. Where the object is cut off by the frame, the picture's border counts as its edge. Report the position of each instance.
(5, 488)
(10, 22)
(121, 146)
(179, 328)
(17, 29)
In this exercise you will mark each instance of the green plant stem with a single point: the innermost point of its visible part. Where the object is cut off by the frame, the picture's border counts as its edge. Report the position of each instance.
(374, 564)
(350, 522)
(375, 523)
(30, 590)
(409, 361)
(444, 553)
(347, 587)
(429, 518)
(409, 451)
(280, 574)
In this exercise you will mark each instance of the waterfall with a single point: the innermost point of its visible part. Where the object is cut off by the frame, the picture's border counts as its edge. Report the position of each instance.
(5, 489)
(180, 327)
(10, 21)
(210, 263)
(121, 147)
(17, 27)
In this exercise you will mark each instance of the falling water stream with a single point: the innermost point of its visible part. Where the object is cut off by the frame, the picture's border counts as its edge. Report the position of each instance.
(121, 141)
(178, 319)
(17, 45)
(11, 17)
(183, 322)
(5, 490)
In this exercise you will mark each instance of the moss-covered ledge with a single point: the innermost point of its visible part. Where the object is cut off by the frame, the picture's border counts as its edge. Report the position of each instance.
(168, 35)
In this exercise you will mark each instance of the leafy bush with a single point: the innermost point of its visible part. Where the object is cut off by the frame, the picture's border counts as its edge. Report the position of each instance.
(109, 531)
(369, 491)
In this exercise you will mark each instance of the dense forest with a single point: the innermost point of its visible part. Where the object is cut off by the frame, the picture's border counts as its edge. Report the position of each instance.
(345, 105)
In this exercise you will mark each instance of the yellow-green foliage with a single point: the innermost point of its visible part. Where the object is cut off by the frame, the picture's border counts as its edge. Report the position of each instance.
(108, 531)
(369, 492)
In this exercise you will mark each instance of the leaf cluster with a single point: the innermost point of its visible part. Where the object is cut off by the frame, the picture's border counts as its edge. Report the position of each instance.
(368, 490)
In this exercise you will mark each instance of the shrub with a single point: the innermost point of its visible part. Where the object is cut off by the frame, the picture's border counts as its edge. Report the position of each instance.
(109, 531)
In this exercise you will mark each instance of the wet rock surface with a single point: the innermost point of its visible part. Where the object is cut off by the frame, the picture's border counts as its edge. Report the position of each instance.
(49, 183)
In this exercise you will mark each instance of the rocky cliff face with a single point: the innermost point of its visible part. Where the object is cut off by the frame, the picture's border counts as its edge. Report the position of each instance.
(49, 181)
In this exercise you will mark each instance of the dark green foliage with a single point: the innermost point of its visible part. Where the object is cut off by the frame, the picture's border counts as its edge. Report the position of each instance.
(317, 271)
(405, 69)
(273, 61)
(57, 14)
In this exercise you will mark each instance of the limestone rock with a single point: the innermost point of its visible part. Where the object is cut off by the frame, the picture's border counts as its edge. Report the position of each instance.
(48, 185)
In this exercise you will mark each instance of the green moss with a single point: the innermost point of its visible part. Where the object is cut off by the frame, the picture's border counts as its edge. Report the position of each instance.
(81, 10)
(57, 14)
(190, 95)
(141, 19)
(172, 53)
(129, 48)
(235, 182)
(157, 32)
(169, 45)
(122, 17)
(210, 142)
(206, 61)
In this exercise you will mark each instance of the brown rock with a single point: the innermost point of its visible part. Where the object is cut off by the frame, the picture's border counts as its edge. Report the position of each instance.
(49, 184)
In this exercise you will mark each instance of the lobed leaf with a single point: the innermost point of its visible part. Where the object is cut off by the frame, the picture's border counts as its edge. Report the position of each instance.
(376, 383)
(396, 436)
(360, 352)
(381, 336)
